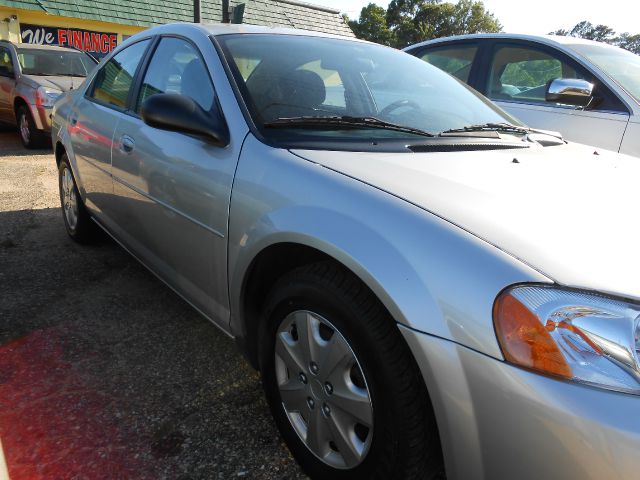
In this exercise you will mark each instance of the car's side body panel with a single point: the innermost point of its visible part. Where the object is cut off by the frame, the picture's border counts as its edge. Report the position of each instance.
(166, 200)
(281, 198)
(603, 129)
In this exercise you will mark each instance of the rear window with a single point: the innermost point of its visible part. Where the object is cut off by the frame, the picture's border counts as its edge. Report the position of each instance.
(54, 63)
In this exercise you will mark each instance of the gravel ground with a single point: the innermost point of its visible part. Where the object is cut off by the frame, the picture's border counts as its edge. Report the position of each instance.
(104, 371)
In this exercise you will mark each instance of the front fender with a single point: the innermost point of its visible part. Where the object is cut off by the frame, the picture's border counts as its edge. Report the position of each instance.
(431, 275)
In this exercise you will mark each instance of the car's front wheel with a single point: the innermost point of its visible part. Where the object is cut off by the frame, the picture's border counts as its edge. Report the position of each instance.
(342, 385)
(30, 136)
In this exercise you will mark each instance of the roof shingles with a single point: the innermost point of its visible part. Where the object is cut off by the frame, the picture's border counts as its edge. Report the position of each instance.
(280, 13)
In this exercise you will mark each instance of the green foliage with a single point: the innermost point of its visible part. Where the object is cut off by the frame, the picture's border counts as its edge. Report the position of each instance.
(410, 21)
(372, 25)
(602, 33)
(532, 73)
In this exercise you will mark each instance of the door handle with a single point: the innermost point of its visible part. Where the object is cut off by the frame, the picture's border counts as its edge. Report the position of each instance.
(127, 144)
(73, 119)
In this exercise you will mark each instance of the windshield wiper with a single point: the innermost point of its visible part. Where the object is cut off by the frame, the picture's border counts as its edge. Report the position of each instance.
(344, 121)
(502, 127)
(54, 74)
(490, 127)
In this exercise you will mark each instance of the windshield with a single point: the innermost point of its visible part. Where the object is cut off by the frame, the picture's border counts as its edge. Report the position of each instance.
(289, 77)
(621, 65)
(54, 62)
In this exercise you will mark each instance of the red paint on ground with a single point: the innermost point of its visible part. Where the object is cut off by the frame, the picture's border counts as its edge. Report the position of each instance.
(52, 425)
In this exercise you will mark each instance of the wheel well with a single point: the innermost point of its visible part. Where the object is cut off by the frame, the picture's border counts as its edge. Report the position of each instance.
(270, 264)
(18, 102)
(59, 151)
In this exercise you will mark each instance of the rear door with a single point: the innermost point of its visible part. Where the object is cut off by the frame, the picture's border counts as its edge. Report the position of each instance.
(92, 121)
(517, 76)
(173, 189)
(7, 85)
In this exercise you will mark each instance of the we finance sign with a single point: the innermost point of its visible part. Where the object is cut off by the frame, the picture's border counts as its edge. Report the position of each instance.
(95, 43)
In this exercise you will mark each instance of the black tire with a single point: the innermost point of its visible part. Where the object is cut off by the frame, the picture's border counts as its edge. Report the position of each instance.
(31, 137)
(405, 442)
(84, 229)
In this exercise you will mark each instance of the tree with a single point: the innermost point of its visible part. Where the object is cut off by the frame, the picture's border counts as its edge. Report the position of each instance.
(372, 25)
(410, 21)
(629, 42)
(602, 33)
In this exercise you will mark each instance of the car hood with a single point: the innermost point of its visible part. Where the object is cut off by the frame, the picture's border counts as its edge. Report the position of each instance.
(568, 211)
(63, 84)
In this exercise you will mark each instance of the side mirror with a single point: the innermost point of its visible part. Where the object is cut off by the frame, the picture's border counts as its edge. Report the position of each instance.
(179, 113)
(570, 91)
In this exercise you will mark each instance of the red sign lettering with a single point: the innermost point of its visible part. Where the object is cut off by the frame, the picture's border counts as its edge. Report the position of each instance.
(98, 43)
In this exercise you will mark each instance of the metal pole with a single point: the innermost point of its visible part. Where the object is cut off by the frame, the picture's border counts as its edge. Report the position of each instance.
(197, 11)
(225, 11)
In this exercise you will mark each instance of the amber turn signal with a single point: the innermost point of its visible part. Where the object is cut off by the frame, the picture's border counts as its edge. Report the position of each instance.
(524, 339)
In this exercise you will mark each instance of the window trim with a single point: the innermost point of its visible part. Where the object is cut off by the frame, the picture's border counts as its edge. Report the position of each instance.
(497, 43)
(91, 88)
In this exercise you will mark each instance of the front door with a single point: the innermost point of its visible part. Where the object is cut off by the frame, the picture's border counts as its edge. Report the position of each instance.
(173, 189)
(92, 122)
(517, 82)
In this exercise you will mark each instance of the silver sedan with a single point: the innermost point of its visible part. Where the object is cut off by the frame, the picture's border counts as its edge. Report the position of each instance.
(426, 286)
(524, 73)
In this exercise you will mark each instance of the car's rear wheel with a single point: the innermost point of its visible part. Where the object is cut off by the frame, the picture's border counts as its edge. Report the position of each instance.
(342, 385)
(30, 136)
(77, 220)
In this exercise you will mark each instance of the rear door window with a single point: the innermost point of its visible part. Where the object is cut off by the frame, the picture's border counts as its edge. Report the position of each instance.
(114, 80)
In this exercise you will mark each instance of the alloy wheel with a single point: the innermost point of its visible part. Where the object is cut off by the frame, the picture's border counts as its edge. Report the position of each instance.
(69, 199)
(24, 128)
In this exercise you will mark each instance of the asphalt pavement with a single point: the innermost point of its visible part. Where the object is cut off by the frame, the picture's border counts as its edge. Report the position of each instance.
(104, 372)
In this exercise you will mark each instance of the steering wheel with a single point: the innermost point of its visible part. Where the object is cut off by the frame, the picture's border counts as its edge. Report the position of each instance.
(399, 104)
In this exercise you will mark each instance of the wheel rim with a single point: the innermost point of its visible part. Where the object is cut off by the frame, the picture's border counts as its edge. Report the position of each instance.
(69, 199)
(323, 389)
(24, 128)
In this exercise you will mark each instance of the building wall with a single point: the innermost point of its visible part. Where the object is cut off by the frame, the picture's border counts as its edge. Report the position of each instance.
(10, 30)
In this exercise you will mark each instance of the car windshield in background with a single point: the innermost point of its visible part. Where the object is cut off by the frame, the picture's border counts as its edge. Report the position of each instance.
(54, 63)
(331, 89)
(621, 65)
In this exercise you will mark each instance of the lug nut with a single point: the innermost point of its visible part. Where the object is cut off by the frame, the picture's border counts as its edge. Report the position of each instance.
(326, 410)
(311, 403)
(328, 388)
(313, 366)
(302, 377)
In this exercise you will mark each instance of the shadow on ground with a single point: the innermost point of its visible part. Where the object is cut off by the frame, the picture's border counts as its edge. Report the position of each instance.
(106, 373)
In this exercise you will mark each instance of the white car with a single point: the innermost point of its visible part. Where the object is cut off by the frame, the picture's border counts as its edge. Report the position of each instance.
(523, 74)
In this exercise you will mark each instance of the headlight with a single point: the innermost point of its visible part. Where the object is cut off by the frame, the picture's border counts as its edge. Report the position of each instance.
(46, 97)
(580, 336)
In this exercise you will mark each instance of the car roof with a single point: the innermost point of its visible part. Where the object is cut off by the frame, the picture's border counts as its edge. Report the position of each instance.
(219, 29)
(35, 46)
(552, 40)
